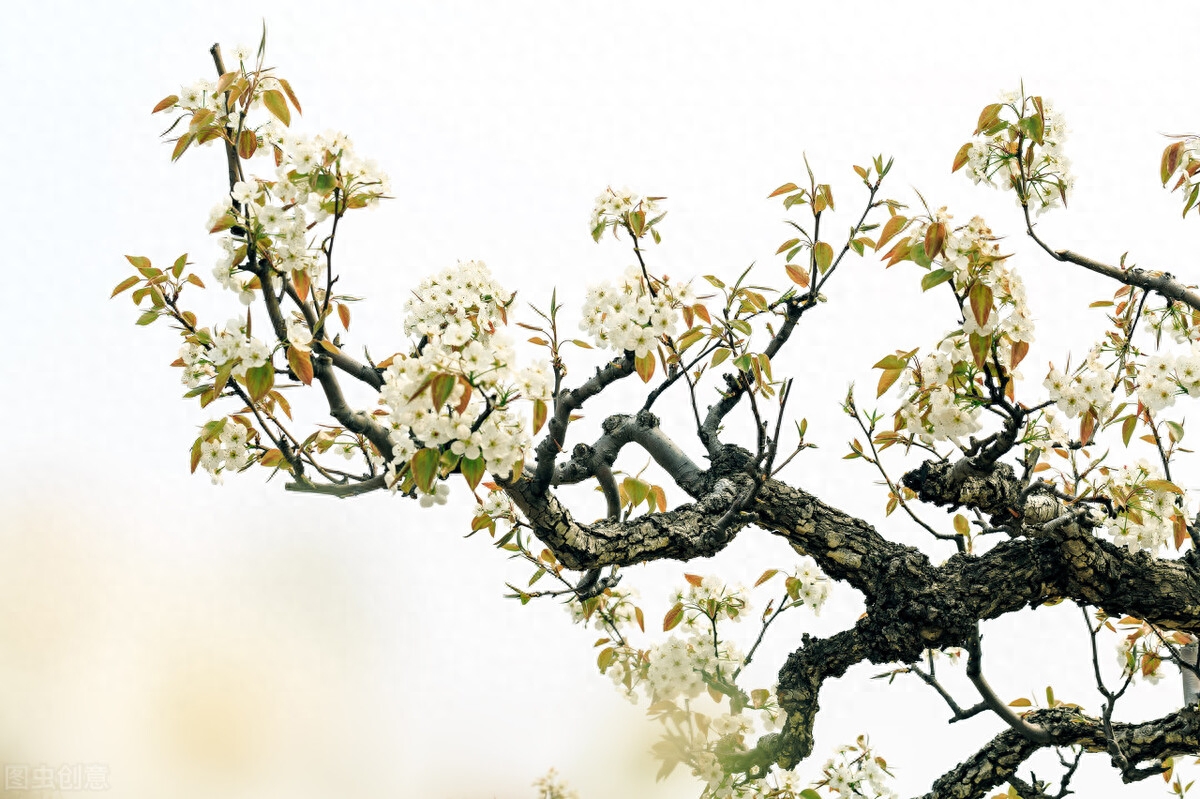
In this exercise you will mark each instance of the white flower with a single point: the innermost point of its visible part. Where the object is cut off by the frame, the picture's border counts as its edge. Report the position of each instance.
(299, 336)
(244, 192)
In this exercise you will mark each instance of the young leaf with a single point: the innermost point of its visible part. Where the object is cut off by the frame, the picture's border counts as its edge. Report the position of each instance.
(645, 366)
(440, 389)
(823, 255)
(890, 229)
(539, 415)
(981, 302)
(798, 274)
(301, 365)
(425, 468)
(277, 105)
(961, 157)
(125, 285)
(259, 380)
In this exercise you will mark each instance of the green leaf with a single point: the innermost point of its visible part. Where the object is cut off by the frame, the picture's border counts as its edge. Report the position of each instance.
(425, 468)
(277, 105)
(673, 617)
(1127, 428)
(988, 117)
(935, 278)
(891, 362)
(823, 255)
(181, 146)
(440, 388)
(981, 347)
(472, 470)
(961, 525)
(1033, 127)
(147, 318)
(259, 380)
(637, 490)
(960, 158)
(787, 245)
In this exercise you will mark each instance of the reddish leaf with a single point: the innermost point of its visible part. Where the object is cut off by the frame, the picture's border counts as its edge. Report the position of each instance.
(890, 229)
(981, 302)
(798, 274)
(287, 87)
(645, 366)
(247, 144)
(301, 365)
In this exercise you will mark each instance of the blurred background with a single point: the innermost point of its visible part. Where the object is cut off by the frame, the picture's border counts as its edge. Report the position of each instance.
(196, 640)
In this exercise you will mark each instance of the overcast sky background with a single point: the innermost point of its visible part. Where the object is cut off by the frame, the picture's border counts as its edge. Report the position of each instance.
(267, 644)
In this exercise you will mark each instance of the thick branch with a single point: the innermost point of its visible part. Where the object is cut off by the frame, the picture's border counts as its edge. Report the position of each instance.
(994, 764)
(686, 532)
(567, 402)
(622, 429)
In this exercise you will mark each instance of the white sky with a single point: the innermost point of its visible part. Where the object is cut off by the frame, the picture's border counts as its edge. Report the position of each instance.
(364, 645)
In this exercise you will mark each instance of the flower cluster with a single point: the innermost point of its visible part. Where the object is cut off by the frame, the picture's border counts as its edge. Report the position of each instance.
(855, 772)
(229, 450)
(229, 345)
(1147, 507)
(1143, 648)
(1162, 377)
(680, 666)
(551, 786)
(810, 586)
(1090, 387)
(628, 317)
(1032, 141)
(455, 391)
(996, 324)
(614, 207)
(317, 177)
